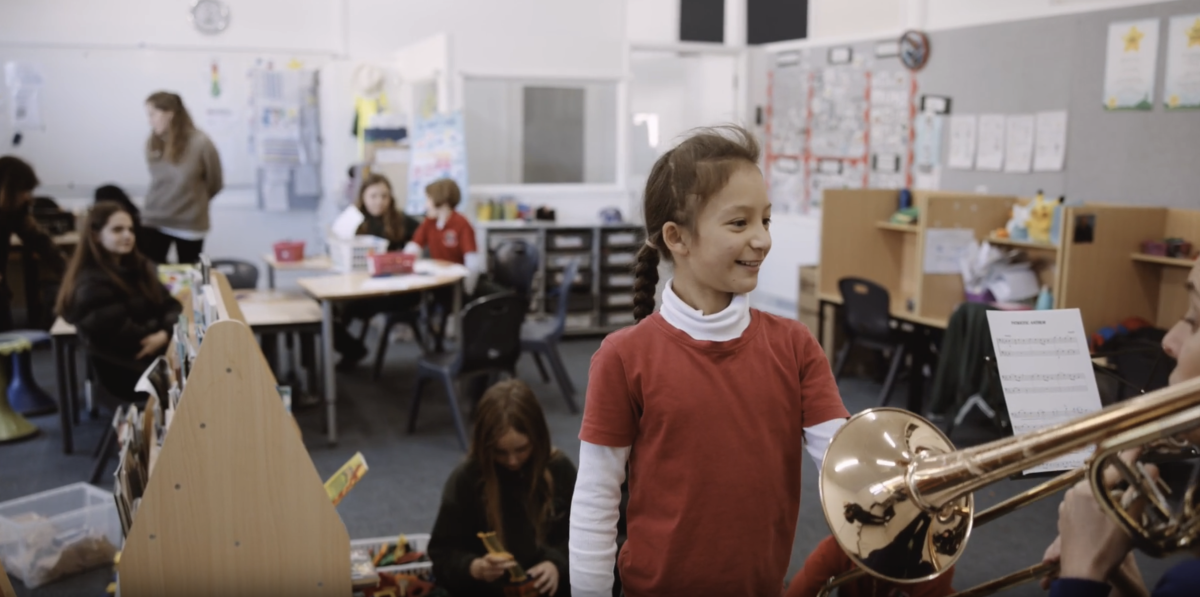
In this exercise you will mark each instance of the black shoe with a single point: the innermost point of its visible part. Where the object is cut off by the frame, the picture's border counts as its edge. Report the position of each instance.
(351, 357)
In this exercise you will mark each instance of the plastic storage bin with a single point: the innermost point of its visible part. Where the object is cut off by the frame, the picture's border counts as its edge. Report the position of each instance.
(289, 251)
(58, 533)
(417, 542)
(351, 255)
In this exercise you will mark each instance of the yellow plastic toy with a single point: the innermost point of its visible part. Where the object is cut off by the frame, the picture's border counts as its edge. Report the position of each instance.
(1041, 217)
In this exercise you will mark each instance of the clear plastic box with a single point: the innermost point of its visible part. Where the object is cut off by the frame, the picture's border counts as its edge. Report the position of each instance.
(416, 541)
(58, 533)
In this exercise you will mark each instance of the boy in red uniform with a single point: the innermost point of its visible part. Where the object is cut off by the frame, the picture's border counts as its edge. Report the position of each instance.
(448, 236)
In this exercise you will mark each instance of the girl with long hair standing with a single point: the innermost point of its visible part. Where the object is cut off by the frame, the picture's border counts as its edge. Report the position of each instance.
(185, 174)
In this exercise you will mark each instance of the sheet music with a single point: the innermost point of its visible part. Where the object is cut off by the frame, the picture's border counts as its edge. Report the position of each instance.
(1045, 372)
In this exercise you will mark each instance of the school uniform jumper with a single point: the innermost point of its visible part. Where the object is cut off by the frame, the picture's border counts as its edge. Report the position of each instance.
(454, 543)
(717, 430)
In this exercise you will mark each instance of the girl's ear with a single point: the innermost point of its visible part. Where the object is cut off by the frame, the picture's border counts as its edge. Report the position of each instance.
(675, 238)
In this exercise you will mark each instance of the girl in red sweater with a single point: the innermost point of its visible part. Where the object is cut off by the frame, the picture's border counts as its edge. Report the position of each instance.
(708, 401)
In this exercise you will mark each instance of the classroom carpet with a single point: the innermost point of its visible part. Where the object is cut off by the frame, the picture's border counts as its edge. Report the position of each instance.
(401, 492)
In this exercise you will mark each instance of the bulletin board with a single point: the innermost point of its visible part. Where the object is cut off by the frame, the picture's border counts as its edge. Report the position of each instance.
(837, 118)
(1020, 67)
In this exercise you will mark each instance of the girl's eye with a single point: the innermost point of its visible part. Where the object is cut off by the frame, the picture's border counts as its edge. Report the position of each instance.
(767, 222)
(738, 222)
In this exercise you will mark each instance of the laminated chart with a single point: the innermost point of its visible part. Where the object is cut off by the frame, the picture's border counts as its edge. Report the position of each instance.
(891, 129)
(836, 127)
(787, 130)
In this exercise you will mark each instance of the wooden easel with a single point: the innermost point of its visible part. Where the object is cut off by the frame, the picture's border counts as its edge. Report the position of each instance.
(234, 505)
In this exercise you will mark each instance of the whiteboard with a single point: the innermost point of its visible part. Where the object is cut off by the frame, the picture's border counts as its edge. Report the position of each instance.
(95, 127)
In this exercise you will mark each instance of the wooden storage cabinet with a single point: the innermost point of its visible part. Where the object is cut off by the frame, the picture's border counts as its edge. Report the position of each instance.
(601, 296)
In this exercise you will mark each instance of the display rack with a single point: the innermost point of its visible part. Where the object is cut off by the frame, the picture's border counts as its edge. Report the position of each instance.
(234, 505)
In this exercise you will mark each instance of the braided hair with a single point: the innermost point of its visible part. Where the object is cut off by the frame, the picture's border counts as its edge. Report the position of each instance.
(680, 183)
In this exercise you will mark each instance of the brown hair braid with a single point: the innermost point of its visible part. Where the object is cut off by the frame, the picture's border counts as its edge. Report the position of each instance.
(680, 183)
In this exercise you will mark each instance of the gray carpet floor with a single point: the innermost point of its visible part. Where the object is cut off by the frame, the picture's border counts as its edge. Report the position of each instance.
(401, 491)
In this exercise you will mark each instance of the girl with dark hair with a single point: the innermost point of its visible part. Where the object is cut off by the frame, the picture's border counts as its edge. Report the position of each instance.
(113, 296)
(513, 483)
(709, 402)
(185, 174)
(110, 192)
(17, 181)
(382, 219)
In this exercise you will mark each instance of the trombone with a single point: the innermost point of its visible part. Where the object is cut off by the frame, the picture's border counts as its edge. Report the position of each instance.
(1012, 504)
(898, 497)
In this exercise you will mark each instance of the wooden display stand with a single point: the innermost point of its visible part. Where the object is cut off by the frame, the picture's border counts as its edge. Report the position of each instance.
(6, 588)
(234, 505)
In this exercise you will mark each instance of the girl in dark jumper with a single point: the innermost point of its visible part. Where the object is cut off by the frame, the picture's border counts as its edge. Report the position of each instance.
(112, 295)
(382, 219)
(17, 181)
(515, 484)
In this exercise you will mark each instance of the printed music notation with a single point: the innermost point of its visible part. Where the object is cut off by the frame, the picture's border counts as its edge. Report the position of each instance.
(1036, 341)
(1045, 371)
(1042, 377)
(1044, 415)
(1010, 390)
(1061, 352)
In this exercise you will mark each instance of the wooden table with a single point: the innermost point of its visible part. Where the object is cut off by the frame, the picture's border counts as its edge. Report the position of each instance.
(317, 263)
(265, 312)
(348, 287)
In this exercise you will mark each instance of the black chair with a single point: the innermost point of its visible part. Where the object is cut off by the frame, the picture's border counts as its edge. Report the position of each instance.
(242, 275)
(105, 392)
(413, 318)
(489, 344)
(514, 265)
(541, 337)
(866, 320)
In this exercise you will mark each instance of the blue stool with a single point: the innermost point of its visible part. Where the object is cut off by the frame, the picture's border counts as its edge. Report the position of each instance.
(24, 394)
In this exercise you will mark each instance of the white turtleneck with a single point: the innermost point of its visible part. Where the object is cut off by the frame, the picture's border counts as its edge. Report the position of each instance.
(595, 507)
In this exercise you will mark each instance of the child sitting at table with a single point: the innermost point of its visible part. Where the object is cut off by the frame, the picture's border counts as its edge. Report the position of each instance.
(380, 218)
(112, 295)
(513, 483)
(447, 236)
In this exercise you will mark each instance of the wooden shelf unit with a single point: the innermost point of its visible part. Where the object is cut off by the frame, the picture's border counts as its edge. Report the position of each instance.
(234, 505)
(601, 298)
(1022, 244)
(894, 227)
(1161, 260)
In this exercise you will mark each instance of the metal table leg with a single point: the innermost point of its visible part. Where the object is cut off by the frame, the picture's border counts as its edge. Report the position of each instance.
(327, 365)
(270, 277)
(64, 400)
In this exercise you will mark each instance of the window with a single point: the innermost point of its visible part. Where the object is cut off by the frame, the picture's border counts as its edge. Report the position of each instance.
(538, 132)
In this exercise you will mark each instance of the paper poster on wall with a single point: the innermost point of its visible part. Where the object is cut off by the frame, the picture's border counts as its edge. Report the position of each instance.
(991, 143)
(962, 141)
(1050, 147)
(1045, 373)
(439, 150)
(1182, 88)
(1129, 71)
(1018, 143)
(927, 148)
(945, 248)
(24, 83)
